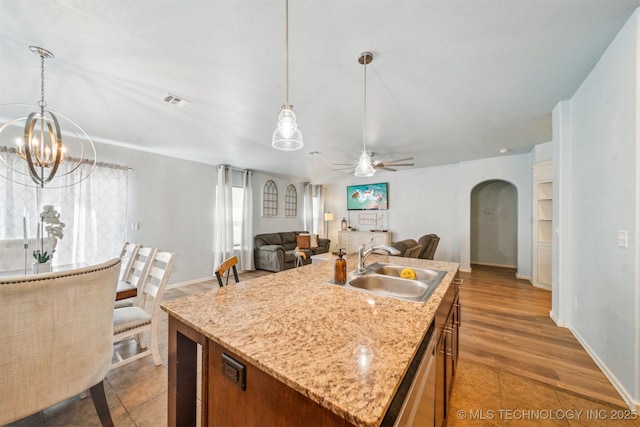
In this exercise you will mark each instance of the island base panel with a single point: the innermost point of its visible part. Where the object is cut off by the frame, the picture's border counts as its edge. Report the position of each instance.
(266, 401)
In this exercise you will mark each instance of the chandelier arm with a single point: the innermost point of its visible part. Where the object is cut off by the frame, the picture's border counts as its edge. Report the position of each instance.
(28, 135)
(58, 139)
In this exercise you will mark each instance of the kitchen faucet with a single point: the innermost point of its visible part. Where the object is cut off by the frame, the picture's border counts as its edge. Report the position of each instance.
(362, 254)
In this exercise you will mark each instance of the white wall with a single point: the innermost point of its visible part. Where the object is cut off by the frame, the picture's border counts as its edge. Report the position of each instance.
(601, 163)
(421, 201)
(172, 201)
(514, 169)
(438, 200)
(280, 223)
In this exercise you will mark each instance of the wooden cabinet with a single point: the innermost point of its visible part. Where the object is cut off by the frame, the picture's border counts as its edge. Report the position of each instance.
(542, 223)
(447, 325)
(350, 241)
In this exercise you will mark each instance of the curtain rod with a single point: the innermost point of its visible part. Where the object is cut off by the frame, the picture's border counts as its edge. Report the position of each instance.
(5, 149)
(235, 169)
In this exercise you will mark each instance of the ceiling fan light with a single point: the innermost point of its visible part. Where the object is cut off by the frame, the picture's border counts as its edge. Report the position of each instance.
(364, 168)
(287, 136)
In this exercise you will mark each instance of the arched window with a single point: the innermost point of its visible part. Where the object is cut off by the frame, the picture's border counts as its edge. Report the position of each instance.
(270, 199)
(291, 201)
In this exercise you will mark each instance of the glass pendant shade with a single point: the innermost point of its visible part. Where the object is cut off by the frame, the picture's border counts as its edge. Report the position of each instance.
(287, 136)
(364, 168)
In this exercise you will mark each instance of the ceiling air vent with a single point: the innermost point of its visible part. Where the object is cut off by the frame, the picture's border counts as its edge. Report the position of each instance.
(175, 100)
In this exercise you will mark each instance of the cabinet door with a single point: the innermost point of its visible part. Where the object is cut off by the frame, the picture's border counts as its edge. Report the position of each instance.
(440, 382)
(381, 239)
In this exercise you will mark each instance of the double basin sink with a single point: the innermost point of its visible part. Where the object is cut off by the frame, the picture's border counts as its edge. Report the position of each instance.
(385, 279)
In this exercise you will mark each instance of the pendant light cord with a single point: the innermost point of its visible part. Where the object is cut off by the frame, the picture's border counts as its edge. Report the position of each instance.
(364, 139)
(286, 38)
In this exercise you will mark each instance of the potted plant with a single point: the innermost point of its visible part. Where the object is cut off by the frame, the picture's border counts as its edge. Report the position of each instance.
(54, 229)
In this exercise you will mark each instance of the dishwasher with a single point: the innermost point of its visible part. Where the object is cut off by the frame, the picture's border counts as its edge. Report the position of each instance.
(414, 404)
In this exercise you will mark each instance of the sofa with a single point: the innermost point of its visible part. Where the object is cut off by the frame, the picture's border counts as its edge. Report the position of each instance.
(276, 251)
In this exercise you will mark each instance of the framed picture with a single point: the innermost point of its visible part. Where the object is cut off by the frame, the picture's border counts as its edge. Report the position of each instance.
(367, 218)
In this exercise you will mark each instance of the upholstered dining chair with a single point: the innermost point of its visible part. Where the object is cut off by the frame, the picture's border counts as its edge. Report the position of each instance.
(127, 255)
(227, 266)
(129, 322)
(56, 339)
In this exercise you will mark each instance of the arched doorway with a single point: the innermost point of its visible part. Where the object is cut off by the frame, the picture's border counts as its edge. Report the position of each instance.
(494, 224)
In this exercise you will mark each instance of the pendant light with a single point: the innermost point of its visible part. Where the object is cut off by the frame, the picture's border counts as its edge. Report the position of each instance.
(287, 136)
(41, 148)
(365, 166)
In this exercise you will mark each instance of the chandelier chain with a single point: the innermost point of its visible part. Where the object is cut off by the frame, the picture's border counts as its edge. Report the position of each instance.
(42, 102)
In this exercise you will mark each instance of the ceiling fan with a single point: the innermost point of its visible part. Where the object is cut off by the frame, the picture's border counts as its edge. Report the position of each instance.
(366, 166)
(389, 165)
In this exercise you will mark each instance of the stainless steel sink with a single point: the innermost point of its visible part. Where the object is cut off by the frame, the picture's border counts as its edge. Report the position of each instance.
(384, 279)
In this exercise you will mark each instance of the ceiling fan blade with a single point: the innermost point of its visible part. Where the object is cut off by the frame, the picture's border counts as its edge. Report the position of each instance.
(400, 160)
(399, 164)
(343, 164)
(388, 169)
(343, 169)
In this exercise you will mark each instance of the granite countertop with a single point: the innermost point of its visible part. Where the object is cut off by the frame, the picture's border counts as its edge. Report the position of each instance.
(344, 349)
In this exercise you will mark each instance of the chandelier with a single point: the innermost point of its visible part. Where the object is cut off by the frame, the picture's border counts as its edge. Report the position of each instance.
(287, 136)
(43, 157)
(365, 165)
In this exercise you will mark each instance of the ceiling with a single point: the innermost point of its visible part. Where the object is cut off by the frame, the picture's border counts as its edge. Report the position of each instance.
(450, 80)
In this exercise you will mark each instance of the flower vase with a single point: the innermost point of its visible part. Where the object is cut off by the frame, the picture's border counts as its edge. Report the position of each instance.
(41, 267)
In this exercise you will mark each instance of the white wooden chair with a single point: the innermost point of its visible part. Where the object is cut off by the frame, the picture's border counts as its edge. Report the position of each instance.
(56, 339)
(140, 264)
(129, 322)
(127, 256)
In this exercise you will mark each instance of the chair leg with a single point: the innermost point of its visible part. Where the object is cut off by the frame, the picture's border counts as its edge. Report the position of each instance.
(100, 402)
(154, 344)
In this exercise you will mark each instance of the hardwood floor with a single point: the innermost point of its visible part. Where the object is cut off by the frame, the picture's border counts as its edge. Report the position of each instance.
(512, 358)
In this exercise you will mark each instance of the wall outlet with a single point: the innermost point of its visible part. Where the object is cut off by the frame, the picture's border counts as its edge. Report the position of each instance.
(622, 238)
(135, 226)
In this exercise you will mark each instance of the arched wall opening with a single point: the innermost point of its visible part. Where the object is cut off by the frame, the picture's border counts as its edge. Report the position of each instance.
(494, 224)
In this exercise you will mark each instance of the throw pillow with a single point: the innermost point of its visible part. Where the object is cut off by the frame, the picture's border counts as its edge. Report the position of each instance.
(314, 241)
(303, 241)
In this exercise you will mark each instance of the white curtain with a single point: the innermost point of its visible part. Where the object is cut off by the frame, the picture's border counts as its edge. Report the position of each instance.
(314, 213)
(94, 212)
(307, 208)
(223, 217)
(246, 245)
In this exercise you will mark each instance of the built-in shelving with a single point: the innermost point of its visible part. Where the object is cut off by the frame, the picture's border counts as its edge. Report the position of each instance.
(542, 223)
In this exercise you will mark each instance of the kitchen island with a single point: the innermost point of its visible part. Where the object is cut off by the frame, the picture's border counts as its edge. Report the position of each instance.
(292, 349)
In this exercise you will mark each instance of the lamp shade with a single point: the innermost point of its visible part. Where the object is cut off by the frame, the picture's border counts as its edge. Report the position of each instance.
(364, 168)
(328, 216)
(287, 136)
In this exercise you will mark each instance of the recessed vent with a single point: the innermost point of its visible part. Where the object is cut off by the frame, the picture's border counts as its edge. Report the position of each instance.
(175, 100)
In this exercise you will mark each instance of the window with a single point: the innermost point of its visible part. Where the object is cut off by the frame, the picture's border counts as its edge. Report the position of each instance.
(270, 199)
(94, 212)
(237, 196)
(291, 201)
(315, 205)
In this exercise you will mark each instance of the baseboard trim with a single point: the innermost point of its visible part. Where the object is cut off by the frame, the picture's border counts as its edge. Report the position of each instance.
(626, 396)
(490, 264)
(190, 282)
(520, 276)
(465, 270)
(542, 286)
